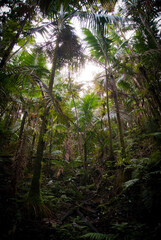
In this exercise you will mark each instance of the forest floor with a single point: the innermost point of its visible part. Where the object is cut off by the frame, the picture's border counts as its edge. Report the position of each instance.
(74, 208)
(112, 203)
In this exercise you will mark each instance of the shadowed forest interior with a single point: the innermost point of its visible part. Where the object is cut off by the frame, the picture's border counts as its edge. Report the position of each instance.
(79, 159)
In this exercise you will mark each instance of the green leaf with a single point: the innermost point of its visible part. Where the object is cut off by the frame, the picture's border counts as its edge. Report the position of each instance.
(130, 183)
(99, 236)
(59, 127)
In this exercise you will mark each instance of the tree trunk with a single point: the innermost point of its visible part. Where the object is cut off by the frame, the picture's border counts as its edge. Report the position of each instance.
(35, 193)
(19, 160)
(22, 124)
(108, 111)
(49, 163)
(121, 135)
(76, 115)
(85, 155)
(85, 160)
(30, 164)
(120, 128)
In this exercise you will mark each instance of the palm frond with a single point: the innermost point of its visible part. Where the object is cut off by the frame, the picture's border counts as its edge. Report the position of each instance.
(99, 20)
(96, 49)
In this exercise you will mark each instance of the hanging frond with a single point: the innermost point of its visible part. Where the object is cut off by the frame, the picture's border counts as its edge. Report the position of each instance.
(99, 21)
(98, 44)
(96, 49)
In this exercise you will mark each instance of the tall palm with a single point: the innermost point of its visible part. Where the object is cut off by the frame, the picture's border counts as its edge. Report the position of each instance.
(63, 33)
(99, 49)
(100, 46)
(86, 119)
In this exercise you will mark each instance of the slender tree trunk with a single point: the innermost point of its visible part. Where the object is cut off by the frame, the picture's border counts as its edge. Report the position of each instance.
(76, 114)
(121, 135)
(85, 159)
(108, 111)
(85, 155)
(120, 127)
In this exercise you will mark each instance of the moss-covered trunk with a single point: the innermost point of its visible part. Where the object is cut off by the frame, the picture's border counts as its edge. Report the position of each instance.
(35, 193)
(19, 159)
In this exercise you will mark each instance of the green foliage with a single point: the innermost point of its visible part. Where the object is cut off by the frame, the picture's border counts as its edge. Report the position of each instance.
(96, 44)
(81, 184)
(72, 230)
(86, 109)
(59, 127)
(130, 183)
(96, 49)
(99, 236)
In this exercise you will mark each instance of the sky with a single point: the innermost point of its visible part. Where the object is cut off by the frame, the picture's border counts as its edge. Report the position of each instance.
(86, 74)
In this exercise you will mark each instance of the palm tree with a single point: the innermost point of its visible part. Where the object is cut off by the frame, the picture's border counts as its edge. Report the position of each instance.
(66, 48)
(87, 120)
(100, 46)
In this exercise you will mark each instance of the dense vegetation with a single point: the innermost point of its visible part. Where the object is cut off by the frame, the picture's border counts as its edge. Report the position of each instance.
(75, 163)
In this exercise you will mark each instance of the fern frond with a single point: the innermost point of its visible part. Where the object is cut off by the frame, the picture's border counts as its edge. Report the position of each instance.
(100, 236)
(130, 183)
